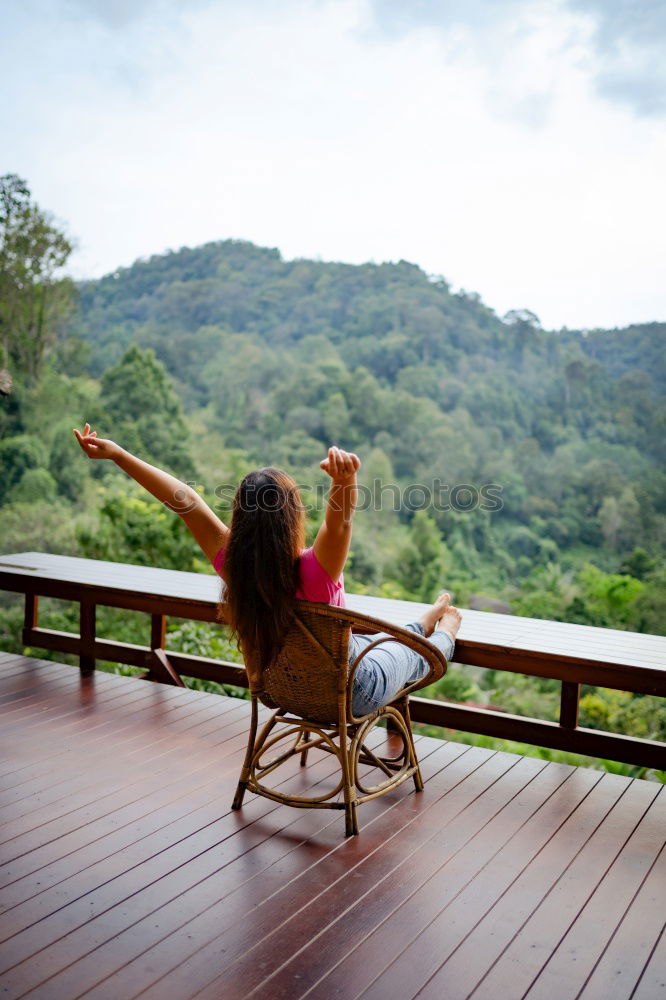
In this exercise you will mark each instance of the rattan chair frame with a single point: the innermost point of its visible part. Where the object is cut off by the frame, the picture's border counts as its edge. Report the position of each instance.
(310, 688)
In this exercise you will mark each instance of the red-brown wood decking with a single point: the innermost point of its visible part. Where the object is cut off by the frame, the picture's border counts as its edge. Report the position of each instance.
(124, 873)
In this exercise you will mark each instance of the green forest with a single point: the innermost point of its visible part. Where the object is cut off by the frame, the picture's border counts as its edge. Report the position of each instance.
(503, 461)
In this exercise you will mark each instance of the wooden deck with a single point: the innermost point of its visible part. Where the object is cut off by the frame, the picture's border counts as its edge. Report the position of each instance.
(124, 873)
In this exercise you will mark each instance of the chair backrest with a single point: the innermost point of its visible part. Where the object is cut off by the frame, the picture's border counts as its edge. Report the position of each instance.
(309, 677)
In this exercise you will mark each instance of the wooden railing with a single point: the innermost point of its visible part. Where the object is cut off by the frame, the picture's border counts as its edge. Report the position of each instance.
(573, 654)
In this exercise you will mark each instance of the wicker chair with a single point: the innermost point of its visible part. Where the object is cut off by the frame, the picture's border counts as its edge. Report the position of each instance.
(310, 687)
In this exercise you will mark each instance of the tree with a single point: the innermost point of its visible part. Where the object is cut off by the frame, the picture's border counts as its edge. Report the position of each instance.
(651, 603)
(35, 485)
(605, 599)
(145, 412)
(611, 521)
(33, 298)
(65, 462)
(335, 418)
(424, 560)
(525, 325)
(620, 519)
(638, 564)
(575, 378)
(524, 316)
(136, 529)
(17, 455)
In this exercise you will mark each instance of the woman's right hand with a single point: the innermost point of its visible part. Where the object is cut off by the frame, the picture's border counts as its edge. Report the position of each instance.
(95, 447)
(340, 465)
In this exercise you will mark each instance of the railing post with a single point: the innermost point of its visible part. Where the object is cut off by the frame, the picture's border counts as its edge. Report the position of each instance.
(30, 617)
(569, 700)
(157, 631)
(87, 632)
(159, 668)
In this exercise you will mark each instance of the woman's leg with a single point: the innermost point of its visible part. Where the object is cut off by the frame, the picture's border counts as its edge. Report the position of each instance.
(389, 667)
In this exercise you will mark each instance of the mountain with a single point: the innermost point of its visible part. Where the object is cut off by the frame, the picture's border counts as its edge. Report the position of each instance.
(279, 358)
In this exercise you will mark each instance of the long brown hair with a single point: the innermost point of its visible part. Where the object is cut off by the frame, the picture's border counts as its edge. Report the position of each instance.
(261, 563)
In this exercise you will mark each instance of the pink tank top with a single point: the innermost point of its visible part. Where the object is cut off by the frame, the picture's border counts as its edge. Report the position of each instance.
(316, 584)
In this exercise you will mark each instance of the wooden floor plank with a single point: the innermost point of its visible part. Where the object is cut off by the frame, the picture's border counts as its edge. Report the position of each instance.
(495, 925)
(96, 864)
(7, 660)
(15, 666)
(574, 959)
(69, 711)
(196, 714)
(199, 802)
(127, 740)
(60, 707)
(129, 940)
(45, 694)
(434, 862)
(120, 718)
(557, 913)
(44, 783)
(127, 855)
(442, 880)
(117, 716)
(92, 694)
(175, 760)
(64, 717)
(111, 712)
(140, 815)
(197, 791)
(126, 724)
(23, 683)
(652, 983)
(631, 947)
(134, 789)
(40, 823)
(421, 954)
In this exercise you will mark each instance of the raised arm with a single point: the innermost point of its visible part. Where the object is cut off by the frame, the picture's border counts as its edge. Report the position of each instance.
(331, 545)
(208, 530)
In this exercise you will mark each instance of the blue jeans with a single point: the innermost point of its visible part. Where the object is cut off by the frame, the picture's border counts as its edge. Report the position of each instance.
(388, 668)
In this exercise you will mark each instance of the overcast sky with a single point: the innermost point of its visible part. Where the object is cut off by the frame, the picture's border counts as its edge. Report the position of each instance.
(516, 147)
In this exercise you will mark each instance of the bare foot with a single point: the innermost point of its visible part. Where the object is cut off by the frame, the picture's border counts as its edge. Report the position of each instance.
(450, 622)
(434, 614)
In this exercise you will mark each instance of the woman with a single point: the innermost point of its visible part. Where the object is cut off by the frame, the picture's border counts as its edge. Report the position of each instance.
(264, 563)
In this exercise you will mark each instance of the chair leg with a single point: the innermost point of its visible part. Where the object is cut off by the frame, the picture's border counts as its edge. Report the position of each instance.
(349, 789)
(403, 708)
(302, 738)
(249, 753)
(351, 822)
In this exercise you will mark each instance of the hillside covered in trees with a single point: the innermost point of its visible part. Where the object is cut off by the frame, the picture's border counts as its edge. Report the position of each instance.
(503, 461)
(274, 359)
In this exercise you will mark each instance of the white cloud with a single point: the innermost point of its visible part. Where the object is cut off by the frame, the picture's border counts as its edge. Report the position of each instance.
(293, 125)
(625, 38)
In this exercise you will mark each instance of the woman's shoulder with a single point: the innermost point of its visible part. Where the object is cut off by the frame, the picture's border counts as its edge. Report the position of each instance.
(316, 584)
(309, 561)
